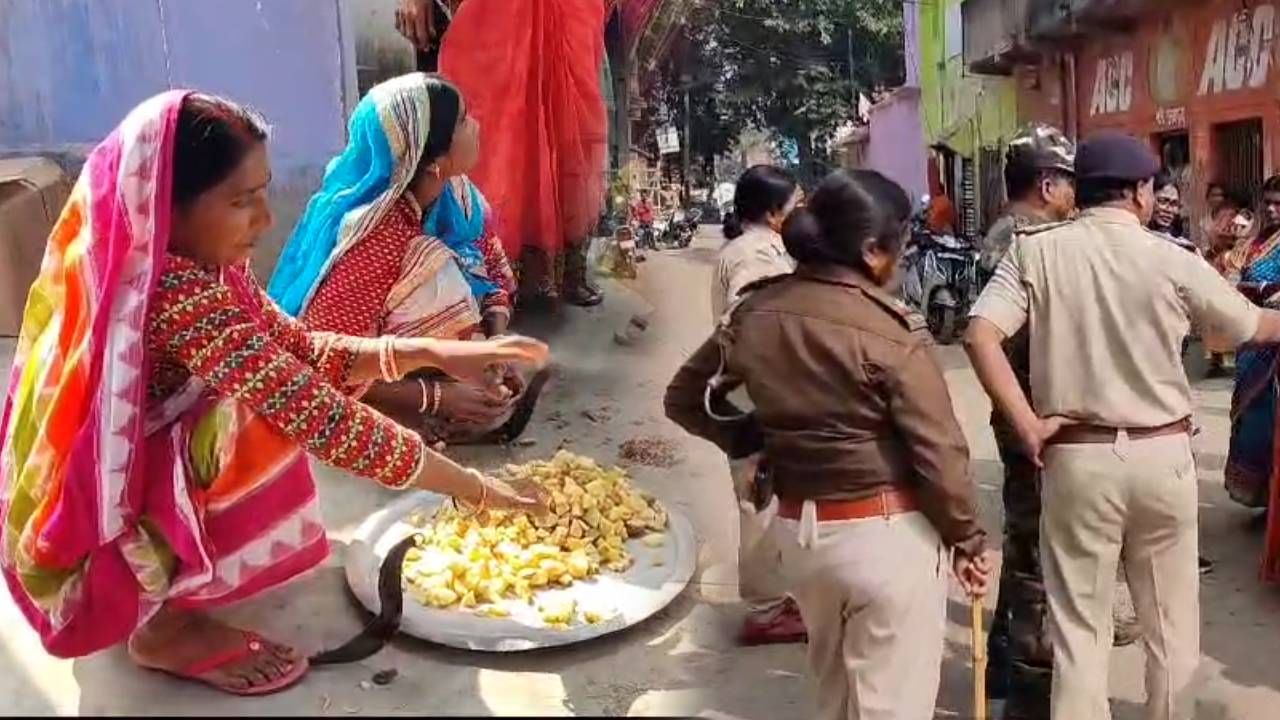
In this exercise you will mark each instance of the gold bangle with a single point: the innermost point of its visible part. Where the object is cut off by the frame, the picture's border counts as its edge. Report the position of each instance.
(391, 357)
(484, 496)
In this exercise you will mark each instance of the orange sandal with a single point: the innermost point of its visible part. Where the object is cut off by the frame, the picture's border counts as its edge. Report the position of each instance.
(253, 645)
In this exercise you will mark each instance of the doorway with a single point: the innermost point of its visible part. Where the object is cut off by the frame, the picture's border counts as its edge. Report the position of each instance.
(1175, 155)
(1174, 149)
(1237, 161)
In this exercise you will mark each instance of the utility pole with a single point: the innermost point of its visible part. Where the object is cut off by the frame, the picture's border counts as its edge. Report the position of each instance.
(686, 81)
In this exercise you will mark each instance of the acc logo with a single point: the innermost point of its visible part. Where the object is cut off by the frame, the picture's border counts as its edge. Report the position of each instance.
(1239, 51)
(1113, 85)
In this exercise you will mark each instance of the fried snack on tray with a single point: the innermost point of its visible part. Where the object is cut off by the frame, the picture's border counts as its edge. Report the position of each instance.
(473, 560)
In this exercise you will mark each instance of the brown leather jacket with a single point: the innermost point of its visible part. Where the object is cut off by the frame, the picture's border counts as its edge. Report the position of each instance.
(848, 397)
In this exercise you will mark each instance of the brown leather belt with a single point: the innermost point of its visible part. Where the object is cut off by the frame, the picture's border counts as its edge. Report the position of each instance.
(1101, 434)
(882, 504)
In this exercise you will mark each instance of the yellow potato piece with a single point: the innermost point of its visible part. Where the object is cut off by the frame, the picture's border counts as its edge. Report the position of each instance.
(441, 597)
(477, 560)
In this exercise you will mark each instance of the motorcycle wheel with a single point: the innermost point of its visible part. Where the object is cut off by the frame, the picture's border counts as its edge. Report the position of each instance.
(942, 323)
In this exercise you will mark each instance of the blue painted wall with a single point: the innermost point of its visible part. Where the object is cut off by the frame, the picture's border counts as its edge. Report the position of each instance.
(71, 69)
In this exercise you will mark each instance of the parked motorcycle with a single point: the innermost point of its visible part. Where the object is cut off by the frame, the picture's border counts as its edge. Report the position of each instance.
(681, 228)
(941, 281)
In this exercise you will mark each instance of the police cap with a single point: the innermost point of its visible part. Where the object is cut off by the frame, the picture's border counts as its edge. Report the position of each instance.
(1041, 147)
(1113, 155)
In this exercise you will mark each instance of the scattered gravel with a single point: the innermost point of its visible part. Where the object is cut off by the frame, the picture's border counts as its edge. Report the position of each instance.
(650, 451)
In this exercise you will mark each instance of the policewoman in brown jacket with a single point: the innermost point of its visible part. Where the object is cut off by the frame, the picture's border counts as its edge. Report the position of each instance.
(864, 453)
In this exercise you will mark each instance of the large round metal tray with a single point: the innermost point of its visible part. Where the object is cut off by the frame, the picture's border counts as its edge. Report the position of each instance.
(657, 577)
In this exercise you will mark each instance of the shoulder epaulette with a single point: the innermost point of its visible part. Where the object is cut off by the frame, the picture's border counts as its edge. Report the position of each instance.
(909, 317)
(1029, 230)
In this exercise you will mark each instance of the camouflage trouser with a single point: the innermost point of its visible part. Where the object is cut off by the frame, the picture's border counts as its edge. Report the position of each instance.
(1021, 656)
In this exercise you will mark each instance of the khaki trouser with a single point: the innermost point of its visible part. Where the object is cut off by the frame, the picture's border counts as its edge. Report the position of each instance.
(1139, 495)
(760, 581)
(873, 594)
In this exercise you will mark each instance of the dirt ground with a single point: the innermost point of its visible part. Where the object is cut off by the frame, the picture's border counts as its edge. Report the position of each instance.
(683, 661)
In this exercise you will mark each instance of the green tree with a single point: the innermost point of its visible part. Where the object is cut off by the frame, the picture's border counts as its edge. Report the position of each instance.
(791, 67)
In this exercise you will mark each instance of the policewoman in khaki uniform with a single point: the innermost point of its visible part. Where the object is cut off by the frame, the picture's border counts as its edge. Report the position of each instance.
(1107, 304)
(866, 457)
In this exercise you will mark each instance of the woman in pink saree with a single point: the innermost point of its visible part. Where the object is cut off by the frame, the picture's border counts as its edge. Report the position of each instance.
(161, 409)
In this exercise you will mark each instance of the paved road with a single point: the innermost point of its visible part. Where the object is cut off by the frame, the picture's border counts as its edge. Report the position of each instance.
(683, 661)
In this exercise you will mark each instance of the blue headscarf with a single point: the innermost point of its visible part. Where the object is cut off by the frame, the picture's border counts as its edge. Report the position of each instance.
(388, 133)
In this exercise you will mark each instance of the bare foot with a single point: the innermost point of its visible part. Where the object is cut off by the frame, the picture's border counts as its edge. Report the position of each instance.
(178, 641)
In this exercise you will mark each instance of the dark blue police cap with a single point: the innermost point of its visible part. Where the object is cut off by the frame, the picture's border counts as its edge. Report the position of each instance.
(1113, 155)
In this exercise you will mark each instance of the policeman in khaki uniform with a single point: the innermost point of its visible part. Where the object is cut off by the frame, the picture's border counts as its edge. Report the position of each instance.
(868, 463)
(1039, 176)
(1107, 304)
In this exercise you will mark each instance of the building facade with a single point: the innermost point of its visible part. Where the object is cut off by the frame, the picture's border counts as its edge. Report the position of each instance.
(892, 138)
(1194, 79)
(967, 117)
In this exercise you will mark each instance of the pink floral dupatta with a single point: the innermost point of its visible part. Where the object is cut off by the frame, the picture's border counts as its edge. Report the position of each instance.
(72, 464)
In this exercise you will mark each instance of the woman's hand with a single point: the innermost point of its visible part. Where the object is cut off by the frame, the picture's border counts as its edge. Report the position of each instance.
(491, 493)
(470, 404)
(468, 485)
(514, 382)
(477, 362)
(973, 573)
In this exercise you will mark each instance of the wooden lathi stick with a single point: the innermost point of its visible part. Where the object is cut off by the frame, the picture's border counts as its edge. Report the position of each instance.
(979, 662)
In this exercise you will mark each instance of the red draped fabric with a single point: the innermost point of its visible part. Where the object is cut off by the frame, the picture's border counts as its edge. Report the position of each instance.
(530, 74)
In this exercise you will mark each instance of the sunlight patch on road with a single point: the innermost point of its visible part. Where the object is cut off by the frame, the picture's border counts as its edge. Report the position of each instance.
(26, 670)
(522, 693)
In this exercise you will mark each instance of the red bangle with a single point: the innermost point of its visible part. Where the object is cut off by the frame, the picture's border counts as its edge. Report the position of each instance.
(387, 360)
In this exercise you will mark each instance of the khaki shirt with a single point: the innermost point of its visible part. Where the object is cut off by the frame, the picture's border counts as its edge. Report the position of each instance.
(849, 399)
(755, 255)
(1108, 304)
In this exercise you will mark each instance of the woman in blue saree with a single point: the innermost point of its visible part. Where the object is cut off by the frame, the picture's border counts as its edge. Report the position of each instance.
(1251, 469)
(1253, 402)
